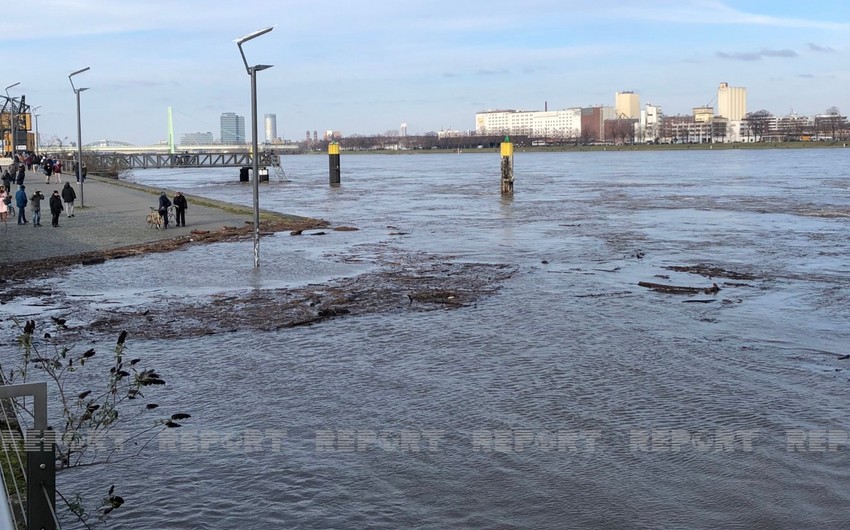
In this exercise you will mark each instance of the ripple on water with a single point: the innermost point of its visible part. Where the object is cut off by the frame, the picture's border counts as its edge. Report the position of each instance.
(571, 398)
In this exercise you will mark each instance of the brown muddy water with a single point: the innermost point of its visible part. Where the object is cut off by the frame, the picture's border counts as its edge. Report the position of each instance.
(561, 394)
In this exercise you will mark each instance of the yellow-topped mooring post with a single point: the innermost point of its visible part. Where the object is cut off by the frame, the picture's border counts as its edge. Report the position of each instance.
(507, 167)
(333, 163)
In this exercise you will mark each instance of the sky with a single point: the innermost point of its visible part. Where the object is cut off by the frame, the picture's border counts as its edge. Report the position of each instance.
(365, 67)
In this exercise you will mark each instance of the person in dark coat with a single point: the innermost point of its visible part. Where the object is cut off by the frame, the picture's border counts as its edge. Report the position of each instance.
(22, 174)
(7, 181)
(35, 207)
(69, 196)
(48, 170)
(180, 206)
(21, 203)
(164, 203)
(55, 207)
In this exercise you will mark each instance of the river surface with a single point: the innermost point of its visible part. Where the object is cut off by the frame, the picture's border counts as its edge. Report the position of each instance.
(572, 398)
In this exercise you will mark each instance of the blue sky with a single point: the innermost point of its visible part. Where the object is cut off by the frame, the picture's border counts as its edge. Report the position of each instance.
(364, 67)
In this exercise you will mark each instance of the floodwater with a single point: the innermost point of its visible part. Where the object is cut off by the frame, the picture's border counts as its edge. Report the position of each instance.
(572, 398)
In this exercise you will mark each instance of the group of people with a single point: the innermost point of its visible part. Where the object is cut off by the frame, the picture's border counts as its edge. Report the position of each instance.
(180, 205)
(58, 203)
(51, 167)
(17, 176)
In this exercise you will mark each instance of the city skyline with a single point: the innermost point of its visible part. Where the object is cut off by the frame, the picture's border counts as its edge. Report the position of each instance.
(366, 69)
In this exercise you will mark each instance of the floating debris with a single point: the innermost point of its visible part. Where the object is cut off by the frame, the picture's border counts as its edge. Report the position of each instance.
(711, 272)
(677, 289)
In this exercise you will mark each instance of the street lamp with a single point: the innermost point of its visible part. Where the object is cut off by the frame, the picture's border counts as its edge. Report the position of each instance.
(12, 117)
(34, 115)
(79, 133)
(252, 71)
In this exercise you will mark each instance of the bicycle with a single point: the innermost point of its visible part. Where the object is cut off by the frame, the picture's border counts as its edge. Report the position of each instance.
(153, 219)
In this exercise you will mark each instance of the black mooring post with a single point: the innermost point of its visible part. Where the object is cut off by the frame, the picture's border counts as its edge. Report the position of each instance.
(333, 163)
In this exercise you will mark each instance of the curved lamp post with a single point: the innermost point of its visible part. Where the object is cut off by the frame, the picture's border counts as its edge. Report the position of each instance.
(252, 71)
(12, 118)
(79, 133)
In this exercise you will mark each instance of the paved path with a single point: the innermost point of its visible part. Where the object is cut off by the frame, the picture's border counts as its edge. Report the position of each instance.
(113, 216)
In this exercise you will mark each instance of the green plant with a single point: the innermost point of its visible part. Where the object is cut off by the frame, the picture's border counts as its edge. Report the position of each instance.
(94, 401)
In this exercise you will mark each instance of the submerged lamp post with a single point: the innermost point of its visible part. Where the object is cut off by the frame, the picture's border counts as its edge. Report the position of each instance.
(252, 71)
(12, 118)
(79, 133)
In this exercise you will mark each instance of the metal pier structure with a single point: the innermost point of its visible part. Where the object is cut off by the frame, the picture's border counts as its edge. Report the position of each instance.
(187, 160)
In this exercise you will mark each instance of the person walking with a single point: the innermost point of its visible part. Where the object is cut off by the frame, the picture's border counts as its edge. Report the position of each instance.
(4, 208)
(48, 170)
(164, 204)
(69, 196)
(180, 206)
(35, 207)
(22, 174)
(7, 181)
(21, 204)
(55, 207)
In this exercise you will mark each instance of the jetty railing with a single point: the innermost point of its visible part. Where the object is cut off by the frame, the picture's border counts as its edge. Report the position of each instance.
(28, 461)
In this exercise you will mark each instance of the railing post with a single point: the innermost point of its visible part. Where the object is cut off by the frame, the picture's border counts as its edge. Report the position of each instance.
(40, 445)
(41, 478)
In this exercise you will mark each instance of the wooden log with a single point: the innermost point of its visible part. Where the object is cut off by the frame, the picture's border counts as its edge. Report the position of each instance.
(678, 289)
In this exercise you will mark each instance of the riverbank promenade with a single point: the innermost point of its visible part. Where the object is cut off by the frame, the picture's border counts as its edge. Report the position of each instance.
(113, 217)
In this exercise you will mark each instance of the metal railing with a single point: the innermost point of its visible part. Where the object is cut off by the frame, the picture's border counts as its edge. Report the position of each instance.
(39, 474)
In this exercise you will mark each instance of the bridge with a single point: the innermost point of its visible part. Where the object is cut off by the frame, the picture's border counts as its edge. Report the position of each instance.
(187, 160)
(113, 154)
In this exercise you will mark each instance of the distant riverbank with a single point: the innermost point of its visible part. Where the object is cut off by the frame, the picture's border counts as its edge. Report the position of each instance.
(596, 148)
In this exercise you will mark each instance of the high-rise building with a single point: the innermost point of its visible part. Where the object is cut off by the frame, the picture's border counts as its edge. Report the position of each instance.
(270, 122)
(403, 129)
(232, 128)
(731, 102)
(627, 105)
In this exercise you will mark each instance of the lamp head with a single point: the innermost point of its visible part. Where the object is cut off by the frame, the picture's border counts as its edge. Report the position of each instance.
(81, 70)
(254, 35)
(246, 38)
(72, 74)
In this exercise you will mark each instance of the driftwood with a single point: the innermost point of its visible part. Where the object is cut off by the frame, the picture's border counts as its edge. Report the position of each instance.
(676, 289)
(711, 272)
